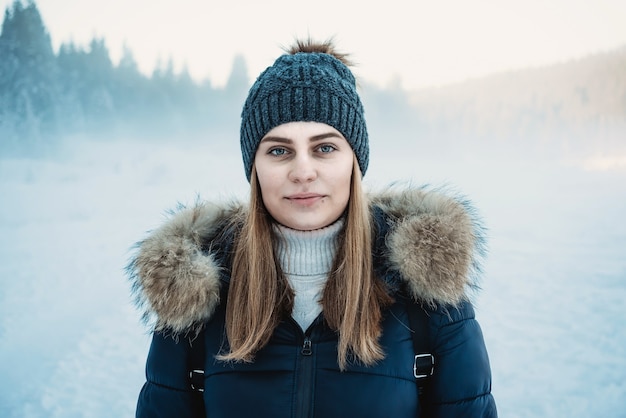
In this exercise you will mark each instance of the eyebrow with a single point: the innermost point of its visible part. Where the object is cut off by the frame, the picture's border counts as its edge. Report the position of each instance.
(314, 138)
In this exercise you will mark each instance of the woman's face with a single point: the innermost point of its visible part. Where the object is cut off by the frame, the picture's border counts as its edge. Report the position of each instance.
(304, 170)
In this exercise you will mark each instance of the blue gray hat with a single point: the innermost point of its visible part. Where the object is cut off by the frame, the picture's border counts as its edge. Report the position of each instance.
(306, 86)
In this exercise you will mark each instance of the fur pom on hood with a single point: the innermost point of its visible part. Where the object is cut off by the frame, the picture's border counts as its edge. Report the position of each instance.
(433, 242)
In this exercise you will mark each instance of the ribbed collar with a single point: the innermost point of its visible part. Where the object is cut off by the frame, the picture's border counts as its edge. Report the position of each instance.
(307, 253)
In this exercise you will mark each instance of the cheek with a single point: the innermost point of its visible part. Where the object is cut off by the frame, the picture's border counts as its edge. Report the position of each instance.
(270, 189)
(265, 178)
(343, 182)
(346, 192)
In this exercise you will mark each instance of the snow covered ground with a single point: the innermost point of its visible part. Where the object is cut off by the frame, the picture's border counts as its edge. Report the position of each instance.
(71, 343)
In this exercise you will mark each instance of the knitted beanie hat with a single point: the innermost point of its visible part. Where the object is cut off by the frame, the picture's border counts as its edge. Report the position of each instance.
(304, 86)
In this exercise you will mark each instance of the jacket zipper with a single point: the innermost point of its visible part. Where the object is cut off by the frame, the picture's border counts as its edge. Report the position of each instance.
(305, 378)
(306, 347)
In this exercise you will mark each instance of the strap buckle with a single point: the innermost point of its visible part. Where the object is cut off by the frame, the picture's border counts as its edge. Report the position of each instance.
(196, 380)
(423, 365)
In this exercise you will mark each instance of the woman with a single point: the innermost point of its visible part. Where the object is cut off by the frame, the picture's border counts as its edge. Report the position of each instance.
(299, 304)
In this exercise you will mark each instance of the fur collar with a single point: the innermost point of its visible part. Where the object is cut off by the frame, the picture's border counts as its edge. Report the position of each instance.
(433, 242)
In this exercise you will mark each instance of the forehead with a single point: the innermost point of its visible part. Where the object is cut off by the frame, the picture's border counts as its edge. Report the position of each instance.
(294, 130)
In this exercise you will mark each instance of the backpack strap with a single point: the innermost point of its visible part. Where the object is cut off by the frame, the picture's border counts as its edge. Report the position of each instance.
(423, 365)
(424, 362)
(196, 363)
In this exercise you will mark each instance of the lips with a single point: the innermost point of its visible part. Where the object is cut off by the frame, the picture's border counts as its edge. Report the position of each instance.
(305, 199)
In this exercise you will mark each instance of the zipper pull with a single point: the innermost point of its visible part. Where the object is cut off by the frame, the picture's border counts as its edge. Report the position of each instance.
(306, 347)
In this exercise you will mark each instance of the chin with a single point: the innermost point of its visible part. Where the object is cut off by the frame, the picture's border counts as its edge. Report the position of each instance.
(305, 226)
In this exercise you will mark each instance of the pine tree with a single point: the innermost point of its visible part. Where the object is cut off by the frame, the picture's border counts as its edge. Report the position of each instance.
(28, 72)
(97, 91)
(238, 82)
(130, 90)
(226, 114)
(70, 61)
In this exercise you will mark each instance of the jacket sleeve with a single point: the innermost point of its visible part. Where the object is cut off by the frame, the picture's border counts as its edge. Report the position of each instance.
(461, 383)
(166, 393)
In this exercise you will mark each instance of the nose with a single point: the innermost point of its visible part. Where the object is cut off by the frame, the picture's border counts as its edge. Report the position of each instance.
(303, 169)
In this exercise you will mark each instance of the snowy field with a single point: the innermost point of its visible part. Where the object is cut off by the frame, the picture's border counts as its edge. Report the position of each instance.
(71, 343)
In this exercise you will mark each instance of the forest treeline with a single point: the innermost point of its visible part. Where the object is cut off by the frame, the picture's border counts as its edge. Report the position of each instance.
(78, 91)
(575, 104)
(47, 95)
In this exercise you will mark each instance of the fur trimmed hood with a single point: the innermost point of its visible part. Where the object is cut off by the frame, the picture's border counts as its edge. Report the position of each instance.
(433, 242)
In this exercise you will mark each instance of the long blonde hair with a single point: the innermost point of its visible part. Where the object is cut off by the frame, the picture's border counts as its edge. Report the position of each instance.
(260, 297)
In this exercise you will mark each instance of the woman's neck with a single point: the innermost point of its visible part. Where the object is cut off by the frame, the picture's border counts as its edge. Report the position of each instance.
(306, 258)
(305, 253)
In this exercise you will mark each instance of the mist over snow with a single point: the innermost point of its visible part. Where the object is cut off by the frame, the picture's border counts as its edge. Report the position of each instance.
(93, 154)
(72, 345)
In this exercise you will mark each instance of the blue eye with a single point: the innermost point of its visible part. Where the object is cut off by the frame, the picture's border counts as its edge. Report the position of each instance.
(278, 152)
(326, 148)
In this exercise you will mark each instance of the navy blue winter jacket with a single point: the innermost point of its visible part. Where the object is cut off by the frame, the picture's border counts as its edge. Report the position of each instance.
(427, 247)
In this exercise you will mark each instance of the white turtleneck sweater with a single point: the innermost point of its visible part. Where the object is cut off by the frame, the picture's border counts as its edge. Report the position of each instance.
(306, 258)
